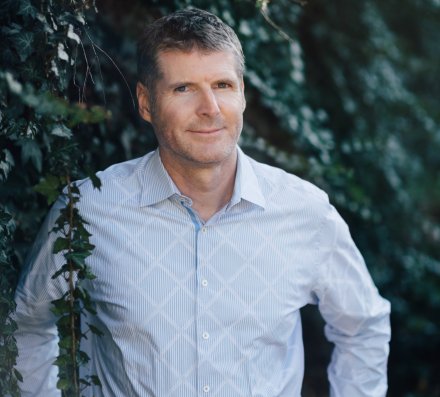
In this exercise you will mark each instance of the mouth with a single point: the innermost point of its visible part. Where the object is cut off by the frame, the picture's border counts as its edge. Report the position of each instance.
(206, 131)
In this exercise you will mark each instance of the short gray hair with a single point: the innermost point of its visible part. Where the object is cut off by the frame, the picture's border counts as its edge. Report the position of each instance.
(184, 30)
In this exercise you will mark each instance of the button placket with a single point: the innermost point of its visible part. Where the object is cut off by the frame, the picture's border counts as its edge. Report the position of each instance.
(203, 322)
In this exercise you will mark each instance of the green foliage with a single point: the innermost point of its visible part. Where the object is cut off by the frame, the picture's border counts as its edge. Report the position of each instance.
(39, 124)
(75, 303)
(372, 84)
(8, 279)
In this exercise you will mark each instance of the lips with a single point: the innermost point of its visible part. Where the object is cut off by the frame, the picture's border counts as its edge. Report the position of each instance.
(206, 131)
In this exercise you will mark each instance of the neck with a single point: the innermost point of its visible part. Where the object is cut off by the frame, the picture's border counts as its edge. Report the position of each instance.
(210, 187)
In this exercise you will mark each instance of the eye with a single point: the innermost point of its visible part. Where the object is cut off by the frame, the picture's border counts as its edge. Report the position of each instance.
(181, 88)
(222, 84)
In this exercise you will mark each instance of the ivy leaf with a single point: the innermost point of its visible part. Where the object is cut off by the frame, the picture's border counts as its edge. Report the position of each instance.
(31, 151)
(62, 384)
(24, 44)
(77, 257)
(5, 217)
(95, 380)
(60, 244)
(83, 357)
(74, 189)
(11, 29)
(65, 321)
(8, 329)
(14, 85)
(95, 330)
(62, 360)
(84, 382)
(95, 181)
(26, 8)
(49, 187)
(18, 375)
(6, 164)
(62, 131)
(82, 246)
(62, 54)
(80, 293)
(97, 114)
(59, 308)
(86, 274)
(94, 178)
(82, 231)
(65, 342)
(57, 273)
(72, 35)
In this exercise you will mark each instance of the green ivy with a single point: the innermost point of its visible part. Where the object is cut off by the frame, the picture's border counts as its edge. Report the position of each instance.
(8, 280)
(74, 305)
(39, 123)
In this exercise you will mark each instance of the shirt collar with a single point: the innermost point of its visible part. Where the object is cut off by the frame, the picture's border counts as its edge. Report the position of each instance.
(157, 185)
(246, 185)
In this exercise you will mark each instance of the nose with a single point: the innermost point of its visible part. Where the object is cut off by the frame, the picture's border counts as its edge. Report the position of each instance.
(208, 104)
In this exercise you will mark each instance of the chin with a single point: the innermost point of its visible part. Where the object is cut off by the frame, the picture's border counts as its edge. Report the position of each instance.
(208, 160)
(213, 157)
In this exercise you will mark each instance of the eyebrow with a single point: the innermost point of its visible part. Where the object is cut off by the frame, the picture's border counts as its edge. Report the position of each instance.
(225, 79)
(179, 84)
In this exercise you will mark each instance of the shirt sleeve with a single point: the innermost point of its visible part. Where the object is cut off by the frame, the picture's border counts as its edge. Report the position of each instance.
(356, 316)
(37, 337)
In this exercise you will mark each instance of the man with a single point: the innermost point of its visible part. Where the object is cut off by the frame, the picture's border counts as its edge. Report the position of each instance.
(203, 256)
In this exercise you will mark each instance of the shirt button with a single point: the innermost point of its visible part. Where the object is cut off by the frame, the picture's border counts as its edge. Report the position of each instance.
(206, 388)
(204, 283)
(205, 335)
(204, 229)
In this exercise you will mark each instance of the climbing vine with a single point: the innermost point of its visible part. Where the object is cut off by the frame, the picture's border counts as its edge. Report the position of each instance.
(75, 303)
(41, 47)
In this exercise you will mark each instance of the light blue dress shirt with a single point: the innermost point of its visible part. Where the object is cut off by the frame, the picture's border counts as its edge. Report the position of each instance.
(208, 309)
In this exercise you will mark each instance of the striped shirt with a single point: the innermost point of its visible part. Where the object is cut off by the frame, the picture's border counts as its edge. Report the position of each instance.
(208, 309)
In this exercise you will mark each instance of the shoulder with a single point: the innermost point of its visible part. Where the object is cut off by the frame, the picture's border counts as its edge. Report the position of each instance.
(279, 186)
(118, 181)
(299, 203)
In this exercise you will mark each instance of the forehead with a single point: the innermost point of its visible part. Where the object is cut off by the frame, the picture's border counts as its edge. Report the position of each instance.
(196, 64)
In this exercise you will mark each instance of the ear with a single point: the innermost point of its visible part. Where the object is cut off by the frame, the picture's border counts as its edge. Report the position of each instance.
(143, 97)
(242, 93)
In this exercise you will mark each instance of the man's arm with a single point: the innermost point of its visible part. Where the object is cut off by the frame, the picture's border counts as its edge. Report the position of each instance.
(357, 317)
(37, 339)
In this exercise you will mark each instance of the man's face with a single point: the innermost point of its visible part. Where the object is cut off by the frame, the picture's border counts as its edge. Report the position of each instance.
(197, 112)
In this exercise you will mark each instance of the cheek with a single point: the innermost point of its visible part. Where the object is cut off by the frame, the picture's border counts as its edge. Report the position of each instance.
(168, 116)
(170, 124)
(177, 111)
(233, 106)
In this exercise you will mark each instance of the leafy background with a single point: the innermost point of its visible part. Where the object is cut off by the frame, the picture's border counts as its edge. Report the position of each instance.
(348, 101)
